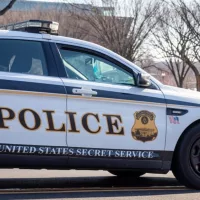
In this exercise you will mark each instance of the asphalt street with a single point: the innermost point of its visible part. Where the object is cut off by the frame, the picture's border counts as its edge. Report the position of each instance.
(98, 185)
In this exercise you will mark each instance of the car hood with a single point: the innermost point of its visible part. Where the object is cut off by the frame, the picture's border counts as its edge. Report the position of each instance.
(180, 94)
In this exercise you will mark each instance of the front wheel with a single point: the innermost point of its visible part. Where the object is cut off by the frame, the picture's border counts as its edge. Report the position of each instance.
(186, 160)
(120, 173)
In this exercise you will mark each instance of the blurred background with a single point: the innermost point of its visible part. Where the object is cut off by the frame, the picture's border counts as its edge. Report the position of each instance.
(160, 36)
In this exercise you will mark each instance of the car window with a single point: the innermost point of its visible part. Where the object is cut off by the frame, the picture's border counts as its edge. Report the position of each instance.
(90, 67)
(20, 56)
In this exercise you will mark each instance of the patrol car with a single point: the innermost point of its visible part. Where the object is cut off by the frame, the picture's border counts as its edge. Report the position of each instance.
(71, 104)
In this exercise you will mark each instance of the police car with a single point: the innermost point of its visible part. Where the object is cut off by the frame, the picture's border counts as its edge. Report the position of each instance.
(71, 104)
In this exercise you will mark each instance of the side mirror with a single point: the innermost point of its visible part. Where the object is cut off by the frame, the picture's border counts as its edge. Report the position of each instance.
(143, 80)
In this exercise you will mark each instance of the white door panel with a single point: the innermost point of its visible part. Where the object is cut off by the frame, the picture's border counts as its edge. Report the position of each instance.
(18, 99)
(122, 104)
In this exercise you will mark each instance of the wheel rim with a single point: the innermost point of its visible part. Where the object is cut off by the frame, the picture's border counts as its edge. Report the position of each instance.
(195, 157)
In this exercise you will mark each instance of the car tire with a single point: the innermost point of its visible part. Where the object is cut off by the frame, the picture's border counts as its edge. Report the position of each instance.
(133, 174)
(186, 159)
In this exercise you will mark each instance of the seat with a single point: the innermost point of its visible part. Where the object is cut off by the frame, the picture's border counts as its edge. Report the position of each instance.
(21, 64)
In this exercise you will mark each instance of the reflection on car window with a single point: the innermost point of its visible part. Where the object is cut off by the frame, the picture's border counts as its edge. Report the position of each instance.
(85, 66)
(73, 72)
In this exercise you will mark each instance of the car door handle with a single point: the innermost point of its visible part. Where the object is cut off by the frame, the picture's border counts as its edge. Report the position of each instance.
(84, 91)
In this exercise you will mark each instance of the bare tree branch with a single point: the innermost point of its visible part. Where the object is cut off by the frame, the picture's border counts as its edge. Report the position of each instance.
(125, 28)
(8, 7)
(171, 38)
(190, 14)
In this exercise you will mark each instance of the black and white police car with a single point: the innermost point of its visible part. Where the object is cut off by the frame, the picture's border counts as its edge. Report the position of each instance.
(71, 104)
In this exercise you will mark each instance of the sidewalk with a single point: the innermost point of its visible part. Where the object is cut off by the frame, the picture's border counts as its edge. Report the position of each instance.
(24, 173)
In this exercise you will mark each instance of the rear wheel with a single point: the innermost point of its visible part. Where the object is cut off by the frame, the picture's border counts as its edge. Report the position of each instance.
(186, 160)
(120, 173)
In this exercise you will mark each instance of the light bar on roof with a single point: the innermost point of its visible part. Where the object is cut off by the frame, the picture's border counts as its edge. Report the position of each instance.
(33, 26)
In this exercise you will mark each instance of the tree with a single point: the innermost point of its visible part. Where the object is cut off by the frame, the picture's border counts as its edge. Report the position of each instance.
(123, 28)
(171, 38)
(8, 7)
(190, 14)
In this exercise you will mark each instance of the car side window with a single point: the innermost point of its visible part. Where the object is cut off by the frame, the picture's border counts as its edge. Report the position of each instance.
(86, 66)
(21, 56)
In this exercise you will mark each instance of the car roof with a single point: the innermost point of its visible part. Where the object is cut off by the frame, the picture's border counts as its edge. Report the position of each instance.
(50, 38)
(69, 41)
(74, 42)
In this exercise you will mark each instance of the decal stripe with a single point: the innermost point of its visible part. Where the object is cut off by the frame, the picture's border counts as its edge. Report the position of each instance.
(21, 92)
(31, 86)
(83, 152)
(94, 98)
(134, 97)
(182, 103)
(51, 89)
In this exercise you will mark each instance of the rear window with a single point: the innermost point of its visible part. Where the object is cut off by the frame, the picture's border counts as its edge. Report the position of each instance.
(19, 56)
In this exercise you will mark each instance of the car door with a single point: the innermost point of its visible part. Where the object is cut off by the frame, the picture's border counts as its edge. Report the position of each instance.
(33, 101)
(108, 115)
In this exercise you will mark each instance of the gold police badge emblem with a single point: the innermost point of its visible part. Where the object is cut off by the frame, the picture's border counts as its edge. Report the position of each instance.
(144, 128)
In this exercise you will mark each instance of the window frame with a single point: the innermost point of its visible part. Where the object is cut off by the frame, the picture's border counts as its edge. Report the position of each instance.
(51, 66)
(62, 72)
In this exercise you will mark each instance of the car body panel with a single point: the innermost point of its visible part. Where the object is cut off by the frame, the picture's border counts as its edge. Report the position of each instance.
(116, 100)
(190, 101)
(39, 93)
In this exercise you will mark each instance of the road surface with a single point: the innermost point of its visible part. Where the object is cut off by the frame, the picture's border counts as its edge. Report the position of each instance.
(18, 184)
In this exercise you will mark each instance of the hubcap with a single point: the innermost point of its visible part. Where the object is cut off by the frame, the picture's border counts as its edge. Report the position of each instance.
(195, 157)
